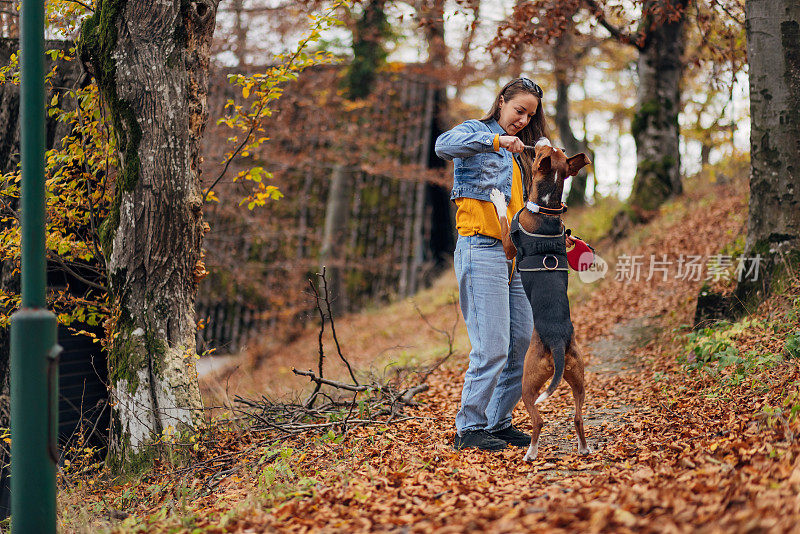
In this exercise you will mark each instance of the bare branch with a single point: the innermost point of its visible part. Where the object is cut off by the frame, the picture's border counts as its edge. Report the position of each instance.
(82, 4)
(408, 396)
(312, 398)
(319, 381)
(618, 34)
(64, 266)
(333, 327)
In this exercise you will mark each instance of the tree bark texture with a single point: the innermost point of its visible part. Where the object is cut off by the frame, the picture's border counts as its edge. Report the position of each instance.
(655, 126)
(151, 60)
(67, 76)
(442, 214)
(240, 32)
(773, 51)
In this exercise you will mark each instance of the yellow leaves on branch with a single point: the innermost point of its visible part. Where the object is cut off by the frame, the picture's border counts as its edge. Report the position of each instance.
(64, 17)
(211, 196)
(78, 189)
(260, 195)
(258, 93)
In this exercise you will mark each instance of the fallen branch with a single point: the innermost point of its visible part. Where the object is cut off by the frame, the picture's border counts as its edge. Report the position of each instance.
(319, 381)
(380, 401)
(408, 396)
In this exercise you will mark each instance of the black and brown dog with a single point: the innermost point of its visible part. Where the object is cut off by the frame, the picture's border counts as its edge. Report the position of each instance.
(536, 238)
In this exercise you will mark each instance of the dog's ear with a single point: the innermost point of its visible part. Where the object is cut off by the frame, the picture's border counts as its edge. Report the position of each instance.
(545, 164)
(576, 163)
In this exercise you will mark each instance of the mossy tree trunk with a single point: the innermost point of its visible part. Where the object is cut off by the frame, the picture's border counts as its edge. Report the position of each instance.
(655, 125)
(151, 59)
(369, 53)
(773, 228)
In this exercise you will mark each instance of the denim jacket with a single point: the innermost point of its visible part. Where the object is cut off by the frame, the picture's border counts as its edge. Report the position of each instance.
(478, 168)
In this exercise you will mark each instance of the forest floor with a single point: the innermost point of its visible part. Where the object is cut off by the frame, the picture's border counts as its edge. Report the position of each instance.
(691, 430)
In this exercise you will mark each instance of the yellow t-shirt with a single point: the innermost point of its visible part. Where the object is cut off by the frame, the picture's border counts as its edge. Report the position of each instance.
(479, 216)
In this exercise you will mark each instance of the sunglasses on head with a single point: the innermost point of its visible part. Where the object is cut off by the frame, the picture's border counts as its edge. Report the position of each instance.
(530, 84)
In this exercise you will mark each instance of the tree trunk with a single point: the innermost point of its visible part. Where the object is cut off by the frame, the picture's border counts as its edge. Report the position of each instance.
(368, 55)
(9, 112)
(9, 275)
(332, 253)
(465, 67)
(773, 227)
(563, 53)
(368, 52)
(655, 126)
(240, 32)
(432, 20)
(151, 59)
(9, 19)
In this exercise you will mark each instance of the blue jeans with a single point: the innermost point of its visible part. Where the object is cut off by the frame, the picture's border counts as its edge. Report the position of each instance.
(500, 324)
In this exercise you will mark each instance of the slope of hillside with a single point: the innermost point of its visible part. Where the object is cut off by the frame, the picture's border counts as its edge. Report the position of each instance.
(692, 431)
(701, 222)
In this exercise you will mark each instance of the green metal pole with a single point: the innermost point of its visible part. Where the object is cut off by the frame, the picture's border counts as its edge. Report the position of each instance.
(34, 349)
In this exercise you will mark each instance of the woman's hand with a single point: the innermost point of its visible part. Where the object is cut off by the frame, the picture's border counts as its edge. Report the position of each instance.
(512, 143)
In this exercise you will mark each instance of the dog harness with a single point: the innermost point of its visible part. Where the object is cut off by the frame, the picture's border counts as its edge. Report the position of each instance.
(538, 252)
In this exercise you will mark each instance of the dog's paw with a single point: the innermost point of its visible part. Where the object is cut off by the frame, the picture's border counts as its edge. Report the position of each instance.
(499, 201)
(584, 450)
(533, 452)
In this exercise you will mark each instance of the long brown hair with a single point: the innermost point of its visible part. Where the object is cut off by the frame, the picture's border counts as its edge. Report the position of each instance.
(533, 131)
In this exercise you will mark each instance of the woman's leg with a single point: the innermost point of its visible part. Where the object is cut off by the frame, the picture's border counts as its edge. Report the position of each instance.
(482, 275)
(509, 386)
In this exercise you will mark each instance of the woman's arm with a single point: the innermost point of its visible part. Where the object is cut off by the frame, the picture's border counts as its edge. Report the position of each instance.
(465, 140)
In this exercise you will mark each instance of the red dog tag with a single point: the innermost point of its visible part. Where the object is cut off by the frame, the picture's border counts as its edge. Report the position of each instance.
(580, 257)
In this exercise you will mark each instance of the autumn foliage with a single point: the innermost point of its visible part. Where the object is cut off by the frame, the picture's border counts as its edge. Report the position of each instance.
(683, 442)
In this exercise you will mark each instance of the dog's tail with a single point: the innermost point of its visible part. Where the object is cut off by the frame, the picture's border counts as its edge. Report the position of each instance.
(558, 362)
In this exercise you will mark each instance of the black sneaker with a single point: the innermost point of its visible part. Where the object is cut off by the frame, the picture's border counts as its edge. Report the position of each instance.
(512, 436)
(479, 439)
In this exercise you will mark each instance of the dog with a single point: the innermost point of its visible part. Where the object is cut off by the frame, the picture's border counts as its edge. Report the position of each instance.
(536, 238)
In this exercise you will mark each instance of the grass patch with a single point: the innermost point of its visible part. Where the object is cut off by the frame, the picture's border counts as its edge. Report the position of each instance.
(720, 352)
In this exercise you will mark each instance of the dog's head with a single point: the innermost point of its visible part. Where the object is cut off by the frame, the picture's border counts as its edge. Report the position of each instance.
(550, 168)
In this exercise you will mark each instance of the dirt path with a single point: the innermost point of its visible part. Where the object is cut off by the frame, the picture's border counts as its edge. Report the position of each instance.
(612, 356)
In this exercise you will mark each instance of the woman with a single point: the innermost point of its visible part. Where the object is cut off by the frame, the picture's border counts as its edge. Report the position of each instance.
(490, 153)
